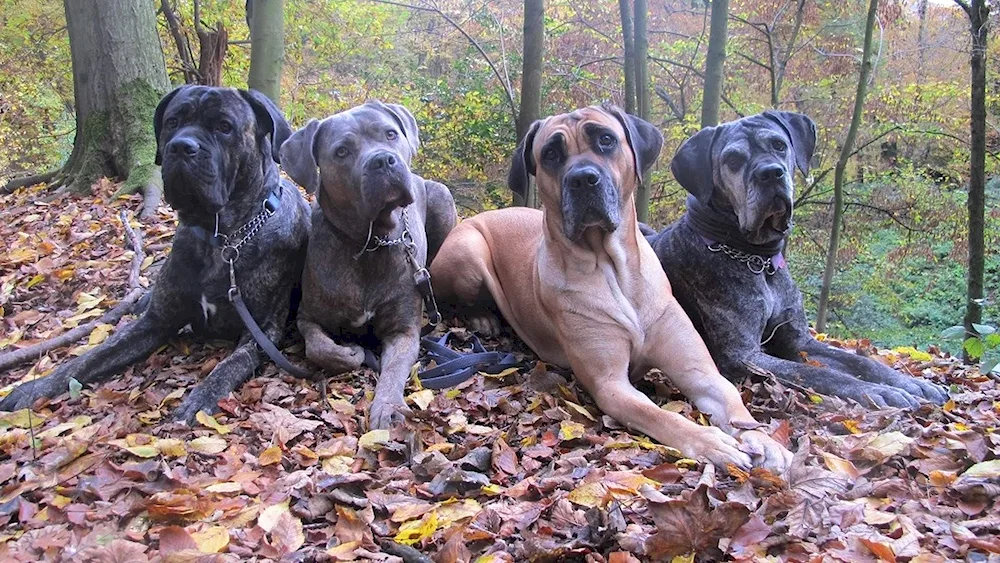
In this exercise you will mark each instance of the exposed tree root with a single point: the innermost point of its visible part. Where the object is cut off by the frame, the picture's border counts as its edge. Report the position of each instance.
(123, 307)
(26, 181)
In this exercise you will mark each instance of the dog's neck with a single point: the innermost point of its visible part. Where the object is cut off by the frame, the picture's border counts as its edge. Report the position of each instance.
(350, 229)
(717, 225)
(245, 202)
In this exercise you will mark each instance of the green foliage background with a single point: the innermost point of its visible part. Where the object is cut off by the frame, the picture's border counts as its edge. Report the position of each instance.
(902, 263)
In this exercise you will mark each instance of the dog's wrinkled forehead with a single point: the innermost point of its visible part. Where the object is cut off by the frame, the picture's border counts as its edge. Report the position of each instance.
(576, 133)
(751, 135)
(203, 103)
(361, 121)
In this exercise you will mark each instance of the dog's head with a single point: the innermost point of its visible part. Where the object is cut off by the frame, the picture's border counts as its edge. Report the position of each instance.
(211, 140)
(360, 159)
(587, 163)
(748, 166)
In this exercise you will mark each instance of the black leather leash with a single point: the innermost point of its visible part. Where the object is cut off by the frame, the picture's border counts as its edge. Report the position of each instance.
(230, 252)
(455, 367)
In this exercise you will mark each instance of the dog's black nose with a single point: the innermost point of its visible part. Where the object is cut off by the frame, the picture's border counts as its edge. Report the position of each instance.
(582, 178)
(381, 160)
(185, 146)
(769, 173)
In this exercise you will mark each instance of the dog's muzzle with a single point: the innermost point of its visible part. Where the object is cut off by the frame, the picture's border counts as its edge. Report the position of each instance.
(769, 204)
(589, 199)
(190, 176)
(385, 185)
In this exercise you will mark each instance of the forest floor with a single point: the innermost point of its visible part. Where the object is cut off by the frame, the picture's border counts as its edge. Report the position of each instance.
(515, 467)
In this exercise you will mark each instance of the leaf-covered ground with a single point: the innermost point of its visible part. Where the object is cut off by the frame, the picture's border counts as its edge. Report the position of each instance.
(516, 467)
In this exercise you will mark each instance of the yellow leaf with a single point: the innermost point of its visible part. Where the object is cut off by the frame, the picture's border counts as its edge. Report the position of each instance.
(171, 447)
(450, 511)
(816, 399)
(689, 558)
(64, 274)
(569, 430)
(268, 518)
(212, 539)
(39, 278)
(344, 551)
(338, 465)
(227, 487)
(913, 353)
(270, 456)
(491, 490)
(20, 419)
(984, 469)
(207, 445)
(174, 395)
(853, 426)
(86, 301)
(209, 421)
(502, 374)
(146, 262)
(452, 393)
(374, 440)
(418, 530)
(421, 398)
(840, 465)
(99, 334)
(580, 409)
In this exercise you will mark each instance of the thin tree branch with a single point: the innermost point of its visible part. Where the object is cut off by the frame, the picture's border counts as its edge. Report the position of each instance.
(453, 23)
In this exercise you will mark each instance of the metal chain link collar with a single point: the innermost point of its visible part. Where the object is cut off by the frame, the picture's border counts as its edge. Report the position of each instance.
(755, 263)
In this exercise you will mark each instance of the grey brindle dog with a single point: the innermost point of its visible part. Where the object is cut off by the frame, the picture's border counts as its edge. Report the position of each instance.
(376, 224)
(725, 264)
(217, 147)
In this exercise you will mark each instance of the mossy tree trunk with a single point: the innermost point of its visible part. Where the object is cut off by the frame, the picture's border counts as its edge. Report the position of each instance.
(267, 46)
(531, 82)
(119, 76)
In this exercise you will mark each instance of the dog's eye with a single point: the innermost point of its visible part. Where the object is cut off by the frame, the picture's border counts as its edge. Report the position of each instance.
(391, 135)
(606, 141)
(734, 160)
(550, 154)
(778, 145)
(224, 127)
(171, 123)
(341, 152)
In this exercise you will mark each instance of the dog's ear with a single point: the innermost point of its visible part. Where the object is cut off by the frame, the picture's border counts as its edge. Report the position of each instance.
(407, 123)
(523, 163)
(270, 120)
(298, 156)
(643, 138)
(161, 108)
(692, 165)
(802, 132)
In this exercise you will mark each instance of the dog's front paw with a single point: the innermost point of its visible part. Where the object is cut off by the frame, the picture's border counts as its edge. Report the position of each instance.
(386, 413)
(923, 389)
(484, 323)
(878, 396)
(714, 445)
(22, 396)
(335, 358)
(765, 451)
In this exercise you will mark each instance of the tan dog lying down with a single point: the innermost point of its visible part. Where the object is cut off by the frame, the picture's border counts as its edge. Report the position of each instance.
(583, 288)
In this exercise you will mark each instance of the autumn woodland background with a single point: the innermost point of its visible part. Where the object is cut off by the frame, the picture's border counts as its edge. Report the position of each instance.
(519, 466)
(900, 269)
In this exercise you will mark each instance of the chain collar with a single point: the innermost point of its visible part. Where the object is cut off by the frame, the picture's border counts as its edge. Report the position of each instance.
(755, 263)
(231, 250)
(375, 242)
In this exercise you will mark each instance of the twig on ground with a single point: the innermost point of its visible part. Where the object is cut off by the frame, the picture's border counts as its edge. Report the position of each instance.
(405, 552)
(13, 358)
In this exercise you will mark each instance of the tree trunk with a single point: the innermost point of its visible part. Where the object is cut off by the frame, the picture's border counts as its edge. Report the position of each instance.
(531, 82)
(782, 62)
(838, 176)
(979, 19)
(119, 76)
(922, 38)
(714, 64)
(642, 91)
(625, 9)
(267, 46)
